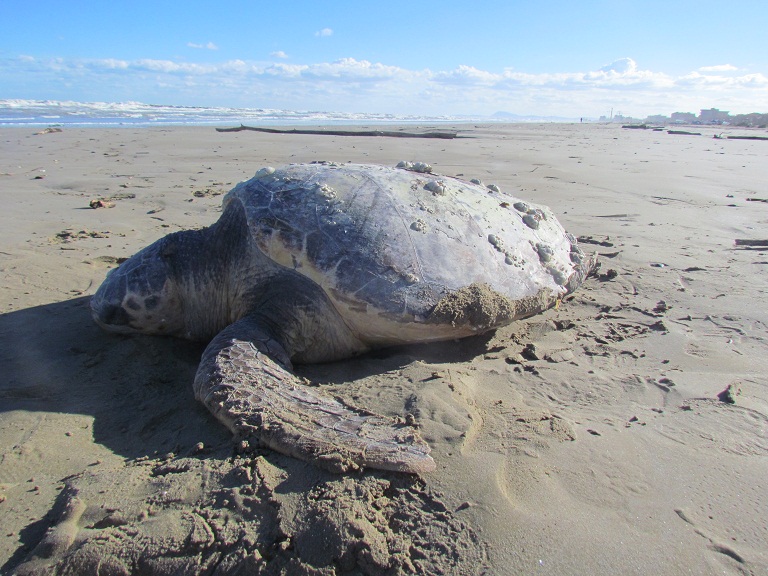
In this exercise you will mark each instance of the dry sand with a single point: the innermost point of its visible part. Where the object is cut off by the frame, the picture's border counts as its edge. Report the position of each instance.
(610, 454)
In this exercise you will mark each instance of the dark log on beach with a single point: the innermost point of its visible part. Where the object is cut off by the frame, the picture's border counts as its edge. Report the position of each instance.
(683, 133)
(595, 241)
(747, 137)
(741, 242)
(758, 200)
(636, 126)
(388, 134)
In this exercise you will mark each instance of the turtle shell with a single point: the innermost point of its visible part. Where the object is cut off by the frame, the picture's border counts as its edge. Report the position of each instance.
(387, 245)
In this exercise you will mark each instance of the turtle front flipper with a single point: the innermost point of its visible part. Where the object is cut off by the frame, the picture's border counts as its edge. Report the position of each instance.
(244, 379)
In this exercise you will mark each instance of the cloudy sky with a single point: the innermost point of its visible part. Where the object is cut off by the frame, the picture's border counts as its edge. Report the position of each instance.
(543, 57)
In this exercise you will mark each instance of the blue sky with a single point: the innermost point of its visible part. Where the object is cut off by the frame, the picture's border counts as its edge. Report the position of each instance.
(543, 57)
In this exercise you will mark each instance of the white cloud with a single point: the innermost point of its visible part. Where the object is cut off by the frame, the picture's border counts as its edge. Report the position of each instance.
(620, 66)
(617, 75)
(285, 71)
(171, 67)
(711, 81)
(111, 64)
(349, 84)
(236, 67)
(207, 46)
(718, 68)
(278, 54)
(325, 32)
(468, 75)
(351, 69)
(757, 80)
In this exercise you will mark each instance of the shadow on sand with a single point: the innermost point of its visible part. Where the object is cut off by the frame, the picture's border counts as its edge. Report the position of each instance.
(138, 391)
(55, 358)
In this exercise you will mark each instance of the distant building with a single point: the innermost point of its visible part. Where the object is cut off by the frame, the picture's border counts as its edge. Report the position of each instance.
(683, 117)
(714, 116)
(657, 119)
(621, 119)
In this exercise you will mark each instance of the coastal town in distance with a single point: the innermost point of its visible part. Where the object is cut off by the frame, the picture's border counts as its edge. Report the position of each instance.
(709, 117)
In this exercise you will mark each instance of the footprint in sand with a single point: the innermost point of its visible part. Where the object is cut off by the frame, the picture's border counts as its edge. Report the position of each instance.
(107, 260)
(707, 423)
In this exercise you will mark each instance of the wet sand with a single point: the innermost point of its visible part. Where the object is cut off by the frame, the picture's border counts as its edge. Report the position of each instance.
(609, 449)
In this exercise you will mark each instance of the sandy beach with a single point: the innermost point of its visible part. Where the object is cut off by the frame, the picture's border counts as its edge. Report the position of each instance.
(625, 432)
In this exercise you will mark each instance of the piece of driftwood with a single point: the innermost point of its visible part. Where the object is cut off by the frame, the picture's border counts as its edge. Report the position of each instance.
(747, 137)
(742, 242)
(683, 133)
(595, 241)
(757, 200)
(386, 133)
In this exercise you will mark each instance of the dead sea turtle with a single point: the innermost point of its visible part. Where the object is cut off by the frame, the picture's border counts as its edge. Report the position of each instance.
(318, 262)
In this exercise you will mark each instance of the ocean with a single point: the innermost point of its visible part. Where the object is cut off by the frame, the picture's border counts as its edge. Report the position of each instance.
(45, 113)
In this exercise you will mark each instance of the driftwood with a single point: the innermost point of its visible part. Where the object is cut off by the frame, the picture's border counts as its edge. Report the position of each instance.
(683, 133)
(757, 200)
(742, 242)
(386, 133)
(595, 241)
(747, 137)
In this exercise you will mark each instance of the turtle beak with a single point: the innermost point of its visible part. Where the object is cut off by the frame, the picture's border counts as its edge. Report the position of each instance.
(107, 311)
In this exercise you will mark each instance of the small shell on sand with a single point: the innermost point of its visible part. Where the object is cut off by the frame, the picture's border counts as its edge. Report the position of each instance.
(99, 203)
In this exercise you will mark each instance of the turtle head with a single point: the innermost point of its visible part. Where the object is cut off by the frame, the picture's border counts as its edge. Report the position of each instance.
(142, 294)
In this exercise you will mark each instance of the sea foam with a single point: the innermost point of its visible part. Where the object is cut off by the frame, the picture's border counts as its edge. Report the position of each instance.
(16, 112)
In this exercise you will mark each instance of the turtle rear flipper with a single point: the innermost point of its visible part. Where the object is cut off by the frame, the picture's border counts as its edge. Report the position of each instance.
(244, 379)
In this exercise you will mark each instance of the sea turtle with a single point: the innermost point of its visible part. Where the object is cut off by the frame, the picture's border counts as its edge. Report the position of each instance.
(318, 262)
